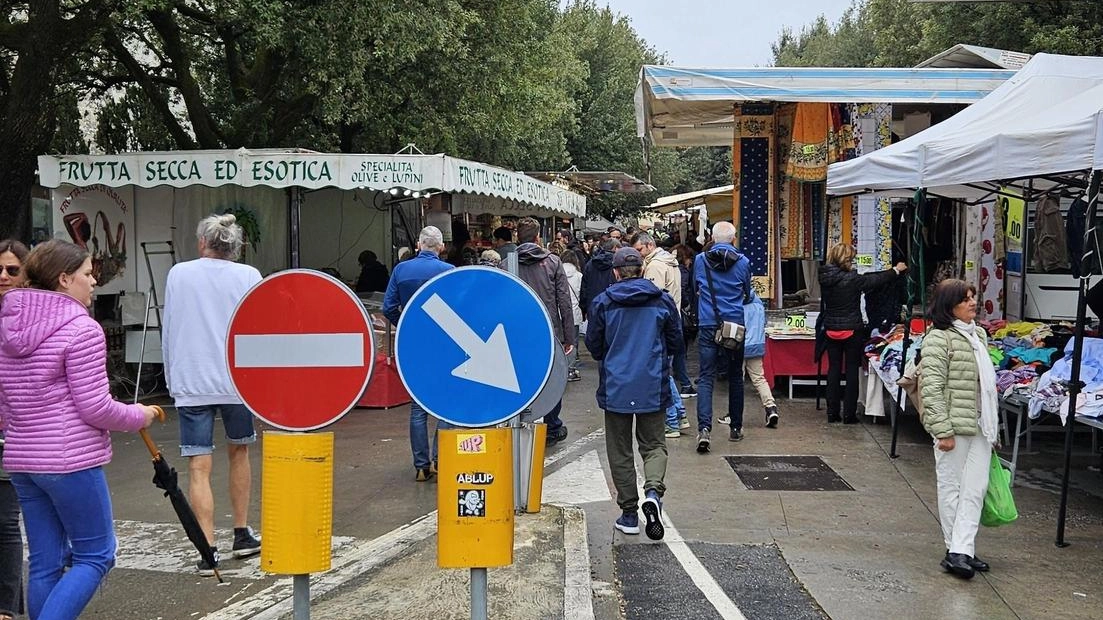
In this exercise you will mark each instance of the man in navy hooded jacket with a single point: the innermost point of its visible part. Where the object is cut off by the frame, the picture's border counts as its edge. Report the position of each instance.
(721, 273)
(634, 330)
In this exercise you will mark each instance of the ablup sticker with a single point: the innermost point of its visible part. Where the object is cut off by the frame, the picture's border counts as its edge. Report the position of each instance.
(476, 477)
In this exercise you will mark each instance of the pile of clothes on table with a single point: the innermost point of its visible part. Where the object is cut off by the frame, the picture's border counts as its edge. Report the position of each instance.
(1021, 352)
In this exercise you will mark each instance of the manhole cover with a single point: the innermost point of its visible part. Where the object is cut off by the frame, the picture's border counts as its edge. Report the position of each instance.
(786, 473)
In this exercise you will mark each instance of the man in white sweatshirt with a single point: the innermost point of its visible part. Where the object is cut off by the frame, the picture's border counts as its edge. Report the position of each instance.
(200, 298)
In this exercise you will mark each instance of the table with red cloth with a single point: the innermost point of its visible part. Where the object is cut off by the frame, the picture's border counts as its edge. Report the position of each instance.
(789, 357)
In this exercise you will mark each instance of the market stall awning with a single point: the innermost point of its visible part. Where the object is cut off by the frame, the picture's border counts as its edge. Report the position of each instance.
(1047, 120)
(679, 202)
(309, 170)
(680, 106)
(962, 55)
(595, 181)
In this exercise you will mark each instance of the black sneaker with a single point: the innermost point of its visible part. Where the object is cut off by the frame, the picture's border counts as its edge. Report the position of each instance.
(771, 417)
(573, 375)
(736, 434)
(687, 391)
(245, 543)
(205, 569)
(652, 508)
(555, 436)
(703, 440)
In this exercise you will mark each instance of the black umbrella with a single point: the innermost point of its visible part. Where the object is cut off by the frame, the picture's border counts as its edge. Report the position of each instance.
(165, 478)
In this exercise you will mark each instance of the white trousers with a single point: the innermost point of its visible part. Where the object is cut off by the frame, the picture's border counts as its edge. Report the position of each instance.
(962, 482)
(758, 380)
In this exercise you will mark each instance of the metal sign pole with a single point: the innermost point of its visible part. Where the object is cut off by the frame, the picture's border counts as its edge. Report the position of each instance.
(478, 594)
(301, 597)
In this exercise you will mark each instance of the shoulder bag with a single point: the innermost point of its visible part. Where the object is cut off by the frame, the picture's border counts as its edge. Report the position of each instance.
(729, 335)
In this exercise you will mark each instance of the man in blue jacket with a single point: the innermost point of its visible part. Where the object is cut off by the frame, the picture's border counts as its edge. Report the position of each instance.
(723, 278)
(634, 330)
(407, 277)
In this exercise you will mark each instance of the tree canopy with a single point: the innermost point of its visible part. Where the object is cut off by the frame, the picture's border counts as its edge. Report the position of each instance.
(899, 33)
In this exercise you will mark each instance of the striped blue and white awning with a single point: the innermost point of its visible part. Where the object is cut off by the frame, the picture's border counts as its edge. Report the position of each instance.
(680, 106)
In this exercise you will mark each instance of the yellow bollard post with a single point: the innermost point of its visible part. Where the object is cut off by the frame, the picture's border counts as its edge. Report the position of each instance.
(297, 512)
(536, 470)
(475, 498)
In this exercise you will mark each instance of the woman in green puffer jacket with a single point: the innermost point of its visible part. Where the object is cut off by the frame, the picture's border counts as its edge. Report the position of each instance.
(960, 410)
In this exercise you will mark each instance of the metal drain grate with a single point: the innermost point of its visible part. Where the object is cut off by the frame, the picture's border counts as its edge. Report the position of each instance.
(786, 473)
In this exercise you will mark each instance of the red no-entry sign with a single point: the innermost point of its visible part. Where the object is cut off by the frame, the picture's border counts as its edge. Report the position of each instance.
(300, 350)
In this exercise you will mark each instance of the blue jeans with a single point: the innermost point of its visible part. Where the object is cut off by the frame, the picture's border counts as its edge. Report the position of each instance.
(60, 510)
(711, 356)
(677, 408)
(419, 435)
(679, 370)
(552, 418)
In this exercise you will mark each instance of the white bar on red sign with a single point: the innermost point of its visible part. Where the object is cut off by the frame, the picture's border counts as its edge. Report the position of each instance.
(298, 350)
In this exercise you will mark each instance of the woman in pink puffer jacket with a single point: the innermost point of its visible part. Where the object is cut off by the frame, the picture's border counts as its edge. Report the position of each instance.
(57, 411)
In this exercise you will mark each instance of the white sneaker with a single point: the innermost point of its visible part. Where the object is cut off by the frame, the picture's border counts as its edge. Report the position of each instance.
(724, 420)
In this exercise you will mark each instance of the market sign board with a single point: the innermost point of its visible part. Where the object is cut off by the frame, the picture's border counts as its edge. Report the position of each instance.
(307, 170)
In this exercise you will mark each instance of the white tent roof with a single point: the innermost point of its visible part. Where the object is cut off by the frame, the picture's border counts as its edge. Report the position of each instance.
(311, 170)
(677, 202)
(1046, 120)
(681, 106)
(963, 55)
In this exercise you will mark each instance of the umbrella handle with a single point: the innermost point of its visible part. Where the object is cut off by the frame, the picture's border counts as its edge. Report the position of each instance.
(152, 447)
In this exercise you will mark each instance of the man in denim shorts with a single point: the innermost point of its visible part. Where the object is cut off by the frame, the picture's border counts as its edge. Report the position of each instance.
(200, 298)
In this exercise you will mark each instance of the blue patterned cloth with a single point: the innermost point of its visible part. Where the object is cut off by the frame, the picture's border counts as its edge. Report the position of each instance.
(754, 203)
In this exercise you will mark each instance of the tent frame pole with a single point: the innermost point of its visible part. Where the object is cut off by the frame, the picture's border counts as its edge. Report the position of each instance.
(1075, 386)
(900, 405)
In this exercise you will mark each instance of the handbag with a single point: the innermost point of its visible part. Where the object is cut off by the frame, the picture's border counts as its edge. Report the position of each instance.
(999, 505)
(729, 335)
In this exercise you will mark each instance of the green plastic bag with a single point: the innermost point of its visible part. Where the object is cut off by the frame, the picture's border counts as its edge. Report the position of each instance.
(999, 506)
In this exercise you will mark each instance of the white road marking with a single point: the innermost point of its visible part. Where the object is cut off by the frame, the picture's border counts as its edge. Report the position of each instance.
(693, 566)
(581, 481)
(298, 350)
(174, 553)
(275, 601)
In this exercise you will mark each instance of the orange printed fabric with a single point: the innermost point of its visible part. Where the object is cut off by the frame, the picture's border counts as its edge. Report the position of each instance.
(808, 150)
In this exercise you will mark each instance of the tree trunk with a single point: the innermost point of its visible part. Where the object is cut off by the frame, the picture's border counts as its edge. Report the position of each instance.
(29, 122)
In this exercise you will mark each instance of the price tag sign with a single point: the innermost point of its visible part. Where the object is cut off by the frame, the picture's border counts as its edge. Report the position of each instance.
(795, 320)
(1016, 217)
(970, 265)
(863, 260)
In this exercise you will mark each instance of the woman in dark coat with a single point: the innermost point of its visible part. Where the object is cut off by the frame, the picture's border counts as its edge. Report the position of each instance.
(842, 289)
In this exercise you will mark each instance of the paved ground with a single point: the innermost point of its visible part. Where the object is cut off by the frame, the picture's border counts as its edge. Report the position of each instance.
(870, 552)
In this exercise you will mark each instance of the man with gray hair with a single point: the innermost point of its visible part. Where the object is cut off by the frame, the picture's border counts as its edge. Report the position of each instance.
(200, 298)
(406, 278)
(723, 276)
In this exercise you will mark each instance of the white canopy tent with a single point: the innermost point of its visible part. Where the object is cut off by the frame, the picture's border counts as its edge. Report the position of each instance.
(1047, 120)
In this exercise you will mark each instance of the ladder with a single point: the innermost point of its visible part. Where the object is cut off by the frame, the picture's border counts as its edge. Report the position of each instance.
(154, 305)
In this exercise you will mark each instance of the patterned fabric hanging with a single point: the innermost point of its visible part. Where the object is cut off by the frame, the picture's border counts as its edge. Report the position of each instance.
(754, 227)
(808, 151)
(792, 206)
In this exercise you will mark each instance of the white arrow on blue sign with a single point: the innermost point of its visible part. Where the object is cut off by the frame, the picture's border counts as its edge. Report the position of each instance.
(474, 346)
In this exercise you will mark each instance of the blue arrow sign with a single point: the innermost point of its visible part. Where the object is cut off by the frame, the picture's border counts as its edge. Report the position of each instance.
(474, 346)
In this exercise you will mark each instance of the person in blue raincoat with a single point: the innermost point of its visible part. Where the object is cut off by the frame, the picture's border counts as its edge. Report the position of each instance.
(754, 351)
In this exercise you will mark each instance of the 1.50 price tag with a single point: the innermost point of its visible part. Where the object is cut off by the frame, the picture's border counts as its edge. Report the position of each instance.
(795, 320)
(863, 260)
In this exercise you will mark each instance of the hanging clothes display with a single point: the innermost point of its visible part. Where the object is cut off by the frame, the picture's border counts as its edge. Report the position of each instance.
(991, 266)
(1050, 246)
(754, 197)
(1074, 233)
(808, 150)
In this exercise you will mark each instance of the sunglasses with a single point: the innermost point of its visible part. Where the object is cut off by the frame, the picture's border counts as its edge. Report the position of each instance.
(13, 270)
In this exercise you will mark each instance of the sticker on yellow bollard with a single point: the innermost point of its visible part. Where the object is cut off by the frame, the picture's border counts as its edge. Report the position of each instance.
(475, 499)
(296, 515)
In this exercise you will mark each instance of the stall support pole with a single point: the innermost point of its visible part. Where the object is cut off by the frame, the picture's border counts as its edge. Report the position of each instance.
(1074, 384)
(900, 405)
(294, 208)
